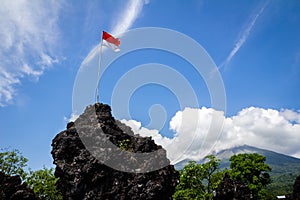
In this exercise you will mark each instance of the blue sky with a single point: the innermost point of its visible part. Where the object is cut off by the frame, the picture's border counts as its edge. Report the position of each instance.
(254, 44)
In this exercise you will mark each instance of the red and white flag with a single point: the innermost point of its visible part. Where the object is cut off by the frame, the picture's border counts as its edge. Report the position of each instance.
(110, 41)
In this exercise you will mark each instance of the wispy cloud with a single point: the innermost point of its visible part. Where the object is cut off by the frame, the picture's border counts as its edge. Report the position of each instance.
(28, 35)
(126, 19)
(123, 21)
(244, 36)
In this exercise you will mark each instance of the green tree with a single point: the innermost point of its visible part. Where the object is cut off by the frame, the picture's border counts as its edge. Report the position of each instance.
(43, 184)
(252, 170)
(190, 185)
(217, 178)
(197, 181)
(41, 181)
(210, 169)
(12, 162)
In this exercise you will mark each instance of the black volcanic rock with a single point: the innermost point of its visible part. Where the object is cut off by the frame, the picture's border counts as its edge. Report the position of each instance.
(12, 188)
(90, 164)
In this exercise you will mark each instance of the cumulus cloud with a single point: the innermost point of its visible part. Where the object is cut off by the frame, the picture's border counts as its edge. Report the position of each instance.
(263, 128)
(291, 115)
(28, 34)
(244, 36)
(195, 134)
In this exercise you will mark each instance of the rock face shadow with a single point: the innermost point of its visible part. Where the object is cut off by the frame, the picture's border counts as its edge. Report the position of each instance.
(11, 187)
(98, 157)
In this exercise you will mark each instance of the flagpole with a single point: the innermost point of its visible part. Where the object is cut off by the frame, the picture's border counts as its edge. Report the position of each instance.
(98, 76)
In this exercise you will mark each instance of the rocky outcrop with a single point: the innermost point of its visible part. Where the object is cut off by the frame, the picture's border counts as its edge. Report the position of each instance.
(98, 157)
(12, 188)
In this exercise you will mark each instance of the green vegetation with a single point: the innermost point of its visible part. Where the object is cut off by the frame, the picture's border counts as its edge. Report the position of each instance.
(13, 163)
(41, 181)
(198, 180)
(283, 178)
(251, 170)
(43, 184)
(190, 185)
(126, 145)
(282, 184)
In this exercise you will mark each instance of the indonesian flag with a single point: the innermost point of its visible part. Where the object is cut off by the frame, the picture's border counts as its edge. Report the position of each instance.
(110, 41)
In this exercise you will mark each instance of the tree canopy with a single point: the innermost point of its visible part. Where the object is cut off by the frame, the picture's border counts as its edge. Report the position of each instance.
(12, 162)
(251, 170)
(42, 181)
(43, 184)
(198, 180)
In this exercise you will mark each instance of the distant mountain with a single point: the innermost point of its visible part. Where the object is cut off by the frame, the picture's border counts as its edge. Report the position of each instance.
(284, 168)
(275, 160)
(272, 158)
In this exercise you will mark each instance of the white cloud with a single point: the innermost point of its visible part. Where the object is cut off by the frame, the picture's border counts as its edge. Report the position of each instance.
(244, 36)
(138, 129)
(291, 115)
(123, 22)
(28, 34)
(130, 14)
(72, 118)
(7, 80)
(193, 132)
(263, 128)
(25, 69)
